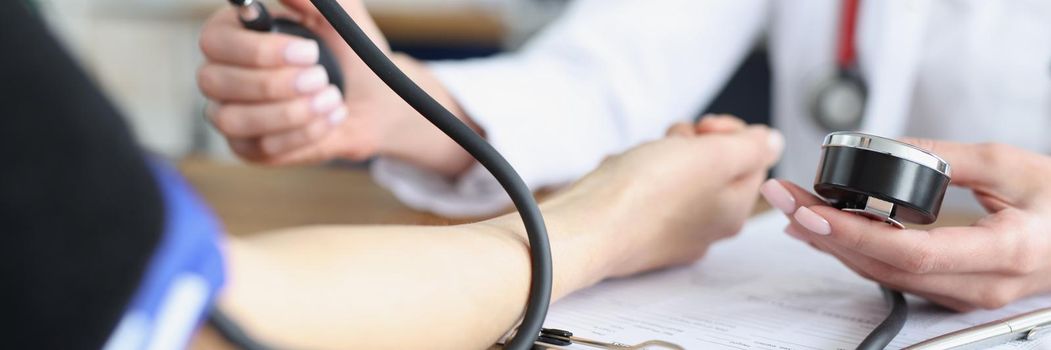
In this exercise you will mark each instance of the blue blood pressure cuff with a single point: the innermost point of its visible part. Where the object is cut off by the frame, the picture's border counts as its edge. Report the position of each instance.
(182, 278)
(99, 247)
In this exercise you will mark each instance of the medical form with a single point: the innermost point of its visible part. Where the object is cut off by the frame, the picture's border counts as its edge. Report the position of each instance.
(760, 290)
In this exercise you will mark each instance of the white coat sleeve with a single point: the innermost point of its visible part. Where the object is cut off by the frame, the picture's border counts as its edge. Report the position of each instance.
(607, 75)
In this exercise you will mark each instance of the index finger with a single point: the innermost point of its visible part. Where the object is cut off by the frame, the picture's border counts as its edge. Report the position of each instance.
(947, 249)
(224, 40)
(941, 250)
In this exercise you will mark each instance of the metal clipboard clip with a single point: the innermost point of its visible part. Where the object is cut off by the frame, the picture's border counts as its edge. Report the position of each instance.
(1029, 326)
(561, 338)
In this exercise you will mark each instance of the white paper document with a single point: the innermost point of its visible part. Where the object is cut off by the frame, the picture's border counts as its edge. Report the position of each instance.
(759, 290)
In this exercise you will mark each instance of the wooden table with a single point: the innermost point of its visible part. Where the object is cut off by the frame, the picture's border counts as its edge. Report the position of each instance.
(252, 199)
(453, 25)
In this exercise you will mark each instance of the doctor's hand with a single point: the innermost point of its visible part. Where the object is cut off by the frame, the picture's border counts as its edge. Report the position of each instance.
(1000, 258)
(274, 104)
(665, 202)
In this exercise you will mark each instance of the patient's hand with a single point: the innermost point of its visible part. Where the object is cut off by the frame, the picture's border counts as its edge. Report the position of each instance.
(665, 202)
(999, 259)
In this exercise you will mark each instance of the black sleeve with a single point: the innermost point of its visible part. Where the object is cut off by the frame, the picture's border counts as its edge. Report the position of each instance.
(80, 214)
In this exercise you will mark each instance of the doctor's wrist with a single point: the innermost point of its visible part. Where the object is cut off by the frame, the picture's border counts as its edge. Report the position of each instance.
(409, 137)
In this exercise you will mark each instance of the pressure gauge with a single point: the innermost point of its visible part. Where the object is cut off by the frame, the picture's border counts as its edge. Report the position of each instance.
(881, 178)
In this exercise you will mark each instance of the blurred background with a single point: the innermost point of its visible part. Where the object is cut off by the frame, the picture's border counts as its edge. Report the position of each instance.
(145, 54)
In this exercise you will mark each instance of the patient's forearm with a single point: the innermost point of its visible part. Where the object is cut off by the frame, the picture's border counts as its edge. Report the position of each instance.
(394, 286)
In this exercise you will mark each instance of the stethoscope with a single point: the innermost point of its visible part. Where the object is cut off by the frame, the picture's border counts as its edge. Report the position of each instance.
(838, 101)
(877, 177)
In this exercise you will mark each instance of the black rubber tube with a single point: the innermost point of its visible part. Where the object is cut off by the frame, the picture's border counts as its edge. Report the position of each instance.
(884, 333)
(232, 332)
(521, 195)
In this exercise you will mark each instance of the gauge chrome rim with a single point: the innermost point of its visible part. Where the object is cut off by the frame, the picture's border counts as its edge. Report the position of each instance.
(888, 146)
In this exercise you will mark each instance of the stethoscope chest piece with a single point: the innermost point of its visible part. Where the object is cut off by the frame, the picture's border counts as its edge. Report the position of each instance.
(839, 101)
(881, 178)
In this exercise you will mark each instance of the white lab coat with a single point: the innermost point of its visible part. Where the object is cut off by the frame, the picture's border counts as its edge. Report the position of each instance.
(610, 74)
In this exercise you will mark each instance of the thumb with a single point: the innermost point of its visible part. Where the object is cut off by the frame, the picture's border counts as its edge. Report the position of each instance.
(987, 167)
(355, 8)
(313, 20)
(303, 8)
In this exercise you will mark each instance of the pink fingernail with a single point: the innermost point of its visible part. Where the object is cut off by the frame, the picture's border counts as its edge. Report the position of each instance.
(338, 116)
(778, 196)
(302, 52)
(326, 100)
(813, 222)
(312, 79)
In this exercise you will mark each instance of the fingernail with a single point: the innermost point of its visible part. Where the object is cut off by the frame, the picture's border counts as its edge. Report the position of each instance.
(312, 79)
(813, 222)
(776, 141)
(326, 100)
(302, 52)
(778, 196)
(338, 116)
